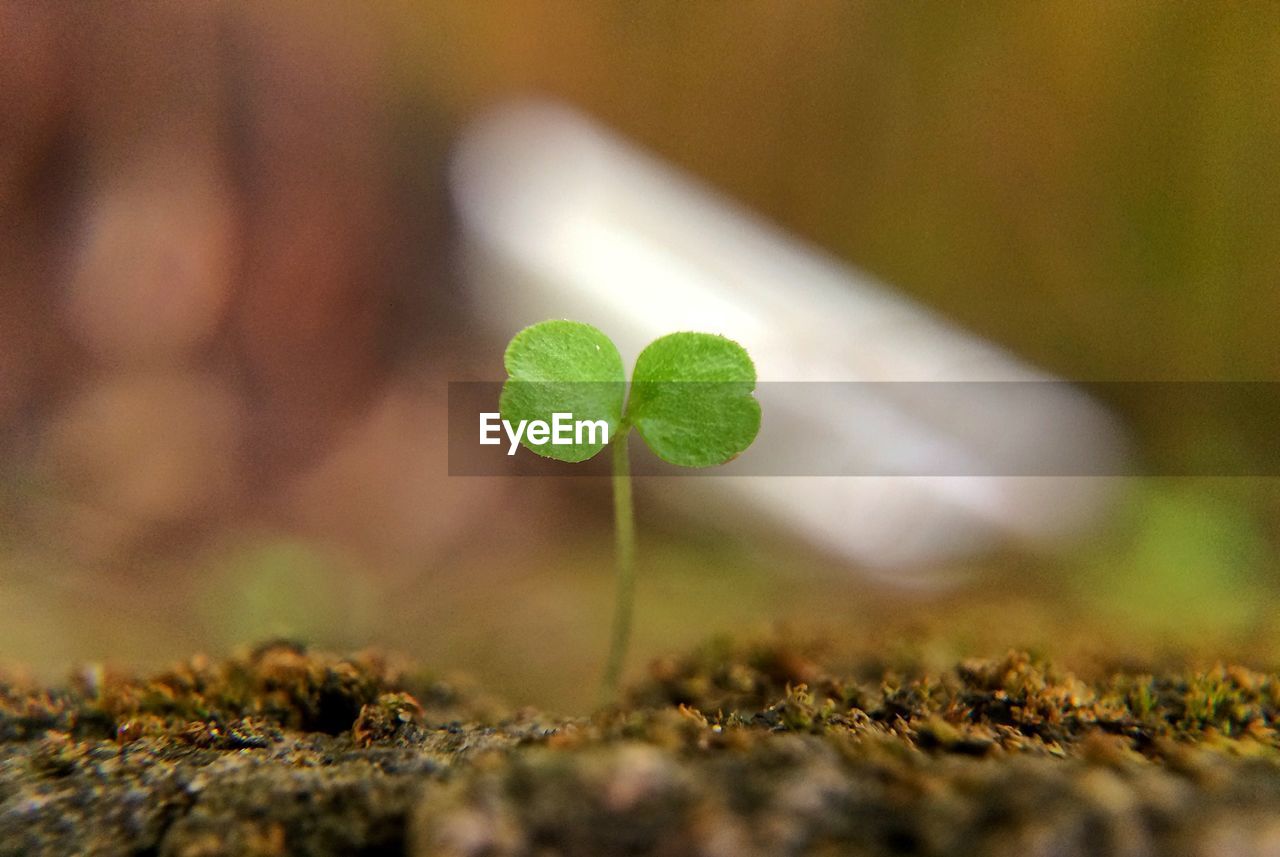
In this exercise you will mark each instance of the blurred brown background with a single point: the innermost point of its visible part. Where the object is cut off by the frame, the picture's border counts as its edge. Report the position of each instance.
(227, 309)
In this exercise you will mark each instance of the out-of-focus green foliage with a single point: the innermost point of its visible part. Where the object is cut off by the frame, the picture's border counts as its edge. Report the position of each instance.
(1186, 559)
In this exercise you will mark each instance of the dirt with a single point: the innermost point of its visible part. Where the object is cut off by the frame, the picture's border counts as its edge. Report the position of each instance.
(769, 748)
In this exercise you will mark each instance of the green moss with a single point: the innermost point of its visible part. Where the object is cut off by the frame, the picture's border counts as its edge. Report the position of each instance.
(761, 748)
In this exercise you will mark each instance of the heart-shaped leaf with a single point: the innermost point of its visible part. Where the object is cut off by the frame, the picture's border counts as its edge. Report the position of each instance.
(563, 367)
(691, 399)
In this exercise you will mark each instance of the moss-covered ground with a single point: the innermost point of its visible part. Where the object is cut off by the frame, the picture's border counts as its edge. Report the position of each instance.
(770, 748)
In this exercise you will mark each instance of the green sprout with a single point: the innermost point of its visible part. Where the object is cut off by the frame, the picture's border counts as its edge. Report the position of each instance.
(691, 401)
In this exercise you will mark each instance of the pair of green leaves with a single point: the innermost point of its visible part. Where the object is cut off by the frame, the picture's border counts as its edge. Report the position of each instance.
(691, 393)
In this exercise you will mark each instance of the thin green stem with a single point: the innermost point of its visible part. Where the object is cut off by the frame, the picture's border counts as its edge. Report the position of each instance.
(624, 526)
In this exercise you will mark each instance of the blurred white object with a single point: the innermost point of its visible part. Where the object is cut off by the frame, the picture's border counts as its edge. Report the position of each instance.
(562, 219)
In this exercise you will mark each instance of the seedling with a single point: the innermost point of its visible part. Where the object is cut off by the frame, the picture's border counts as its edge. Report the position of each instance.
(691, 401)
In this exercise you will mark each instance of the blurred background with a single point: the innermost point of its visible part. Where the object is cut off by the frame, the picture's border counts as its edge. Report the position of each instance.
(230, 304)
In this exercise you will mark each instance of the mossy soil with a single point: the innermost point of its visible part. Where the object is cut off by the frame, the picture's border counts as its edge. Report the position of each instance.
(771, 748)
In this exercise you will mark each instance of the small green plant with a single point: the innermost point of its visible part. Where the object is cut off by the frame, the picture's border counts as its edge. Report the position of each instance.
(690, 400)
